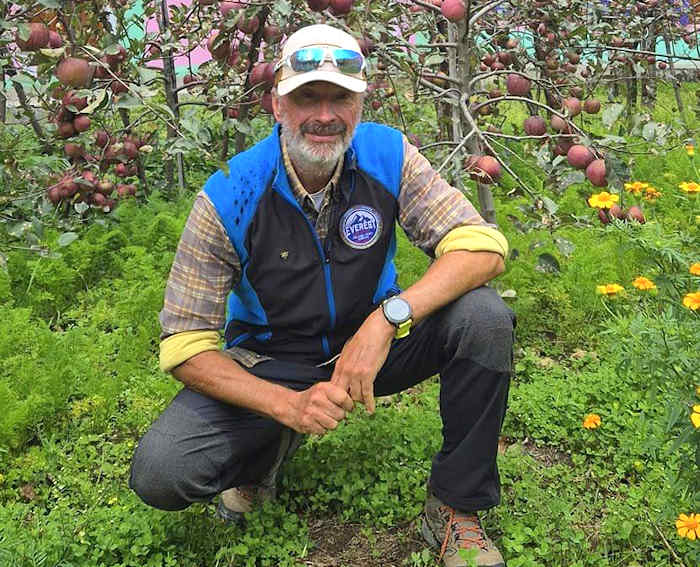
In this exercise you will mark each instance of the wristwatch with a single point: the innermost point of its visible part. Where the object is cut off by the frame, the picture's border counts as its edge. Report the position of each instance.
(399, 313)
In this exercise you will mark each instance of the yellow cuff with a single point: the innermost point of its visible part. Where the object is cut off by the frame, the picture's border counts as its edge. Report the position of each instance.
(177, 348)
(473, 239)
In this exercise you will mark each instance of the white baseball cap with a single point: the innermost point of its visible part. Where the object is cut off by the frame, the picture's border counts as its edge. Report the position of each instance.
(322, 36)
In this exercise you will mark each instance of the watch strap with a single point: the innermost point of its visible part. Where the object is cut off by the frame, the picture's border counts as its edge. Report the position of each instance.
(403, 329)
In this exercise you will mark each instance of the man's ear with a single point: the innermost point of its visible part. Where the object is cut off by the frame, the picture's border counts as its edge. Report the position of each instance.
(275, 105)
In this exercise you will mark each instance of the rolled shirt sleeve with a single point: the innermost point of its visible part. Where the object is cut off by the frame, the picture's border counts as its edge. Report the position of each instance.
(437, 217)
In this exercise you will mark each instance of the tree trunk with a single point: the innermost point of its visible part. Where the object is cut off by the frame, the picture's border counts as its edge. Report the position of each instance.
(674, 78)
(252, 60)
(3, 98)
(454, 65)
(171, 99)
(648, 81)
(466, 45)
(22, 97)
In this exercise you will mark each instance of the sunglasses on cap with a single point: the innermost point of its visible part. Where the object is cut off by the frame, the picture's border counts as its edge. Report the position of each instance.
(307, 59)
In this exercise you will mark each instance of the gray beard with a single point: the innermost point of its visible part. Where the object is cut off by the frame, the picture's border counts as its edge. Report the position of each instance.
(320, 159)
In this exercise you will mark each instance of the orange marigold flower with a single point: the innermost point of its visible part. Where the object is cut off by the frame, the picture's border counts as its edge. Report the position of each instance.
(643, 284)
(690, 149)
(636, 187)
(689, 187)
(609, 289)
(651, 194)
(591, 421)
(688, 526)
(695, 269)
(603, 200)
(692, 301)
(695, 416)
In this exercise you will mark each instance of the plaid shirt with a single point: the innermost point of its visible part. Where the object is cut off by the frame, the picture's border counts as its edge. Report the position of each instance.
(206, 266)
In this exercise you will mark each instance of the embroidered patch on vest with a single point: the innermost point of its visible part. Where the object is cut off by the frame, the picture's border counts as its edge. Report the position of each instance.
(360, 227)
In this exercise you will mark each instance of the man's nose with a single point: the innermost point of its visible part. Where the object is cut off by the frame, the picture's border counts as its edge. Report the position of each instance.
(325, 111)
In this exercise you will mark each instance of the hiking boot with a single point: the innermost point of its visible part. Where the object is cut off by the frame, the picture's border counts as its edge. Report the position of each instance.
(236, 501)
(450, 531)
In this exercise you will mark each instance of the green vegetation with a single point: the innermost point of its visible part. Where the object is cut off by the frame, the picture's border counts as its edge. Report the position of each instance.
(80, 384)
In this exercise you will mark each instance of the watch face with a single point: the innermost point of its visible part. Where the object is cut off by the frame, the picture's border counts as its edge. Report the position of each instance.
(397, 310)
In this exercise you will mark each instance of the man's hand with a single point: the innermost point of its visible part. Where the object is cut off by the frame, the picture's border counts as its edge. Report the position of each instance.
(319, 408)
(362, 357)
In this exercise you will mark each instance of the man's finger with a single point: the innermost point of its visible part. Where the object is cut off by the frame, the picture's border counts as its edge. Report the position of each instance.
(356, 391)
(368, 396)
(338, 378)
(340, 398)
(327, 422)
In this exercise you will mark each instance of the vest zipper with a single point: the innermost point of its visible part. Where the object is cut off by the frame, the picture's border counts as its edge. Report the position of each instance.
(325, 262)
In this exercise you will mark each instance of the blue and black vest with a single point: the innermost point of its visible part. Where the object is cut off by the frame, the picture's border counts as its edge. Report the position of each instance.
(300, 298)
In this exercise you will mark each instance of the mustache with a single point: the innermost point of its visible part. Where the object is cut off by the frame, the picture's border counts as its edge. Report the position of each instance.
(319, 129)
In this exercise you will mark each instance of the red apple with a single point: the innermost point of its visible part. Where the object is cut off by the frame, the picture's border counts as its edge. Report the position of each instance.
(38, 38)
(74, 72)
(517, 85)
(596, 173)
(579, 156)
(535, 126)
(453, 10)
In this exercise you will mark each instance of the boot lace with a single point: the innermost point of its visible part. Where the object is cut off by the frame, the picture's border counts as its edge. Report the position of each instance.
(466, 528)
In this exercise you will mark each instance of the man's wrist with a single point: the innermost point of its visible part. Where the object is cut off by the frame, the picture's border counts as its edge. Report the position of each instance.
(282, 409)
(387, 329)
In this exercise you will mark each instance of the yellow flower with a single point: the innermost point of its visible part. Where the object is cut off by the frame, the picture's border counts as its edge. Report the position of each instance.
(695, 416)
(609, 289)
(603, 200)
(635, 187)
(695, 269)
(591, 421)
(690, 187)
(651, 194)
(688, 526)
(692, 301)
(643, 284)
(690, 149)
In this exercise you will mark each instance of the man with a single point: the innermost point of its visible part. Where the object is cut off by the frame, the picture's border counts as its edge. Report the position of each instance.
(301, 236)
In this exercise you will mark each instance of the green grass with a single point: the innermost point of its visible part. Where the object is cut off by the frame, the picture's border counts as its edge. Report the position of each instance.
(80, 384)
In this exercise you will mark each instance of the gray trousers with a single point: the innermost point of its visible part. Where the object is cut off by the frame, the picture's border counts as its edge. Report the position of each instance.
(200, 446)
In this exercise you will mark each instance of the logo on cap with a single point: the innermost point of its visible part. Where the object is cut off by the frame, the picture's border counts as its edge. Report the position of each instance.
(360, 227)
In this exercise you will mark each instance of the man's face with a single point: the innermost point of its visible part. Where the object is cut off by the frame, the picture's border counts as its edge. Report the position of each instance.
(318, 121)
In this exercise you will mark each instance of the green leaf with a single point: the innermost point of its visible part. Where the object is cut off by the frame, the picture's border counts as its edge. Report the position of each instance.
(223, 166)
(242, 127)
(550, 205)
(648, 131)
(434, 59)
(283, 8)
(547, 264)
(128, 101)
(100, 98)
(67, 238)
(23, 31)
(112, 49)
(571, 178)
(55, 53)
(565, 246)
(612, 113)
(53, 4)
(147, 74)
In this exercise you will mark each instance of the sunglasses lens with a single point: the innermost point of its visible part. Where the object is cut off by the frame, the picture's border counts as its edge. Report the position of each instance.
(348, 61)
(306, 59)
